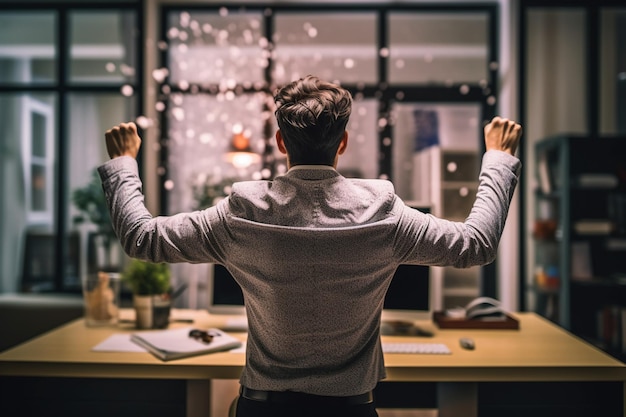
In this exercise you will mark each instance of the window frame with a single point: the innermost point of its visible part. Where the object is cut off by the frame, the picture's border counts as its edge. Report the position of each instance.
(60, 88)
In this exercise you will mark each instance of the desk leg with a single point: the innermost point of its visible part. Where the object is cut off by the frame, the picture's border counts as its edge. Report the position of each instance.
(198, 398)
(457, 399)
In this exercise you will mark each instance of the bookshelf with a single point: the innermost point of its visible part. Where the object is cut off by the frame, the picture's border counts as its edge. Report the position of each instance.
(579, 235)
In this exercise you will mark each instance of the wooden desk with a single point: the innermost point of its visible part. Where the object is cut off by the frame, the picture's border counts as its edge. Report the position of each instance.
(538, 352)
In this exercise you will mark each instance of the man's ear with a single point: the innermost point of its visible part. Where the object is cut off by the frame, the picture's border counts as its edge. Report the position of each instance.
(280, 143)
(343, 144)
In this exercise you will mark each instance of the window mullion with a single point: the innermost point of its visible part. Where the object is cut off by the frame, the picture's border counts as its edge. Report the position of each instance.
(63, 59)
(385, 133)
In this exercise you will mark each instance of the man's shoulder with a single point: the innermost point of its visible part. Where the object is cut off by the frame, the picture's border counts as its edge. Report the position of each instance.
(372, 183)
(379, 189)
(246, 193)
(263, 186)
(250, 187)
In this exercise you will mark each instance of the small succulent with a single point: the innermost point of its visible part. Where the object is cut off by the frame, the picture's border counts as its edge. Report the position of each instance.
(147, 278)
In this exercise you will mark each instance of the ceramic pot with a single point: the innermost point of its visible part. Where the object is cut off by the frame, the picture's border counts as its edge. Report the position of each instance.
(152, 311)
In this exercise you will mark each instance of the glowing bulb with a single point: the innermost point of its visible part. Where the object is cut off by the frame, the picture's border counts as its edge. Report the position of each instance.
(242, 159)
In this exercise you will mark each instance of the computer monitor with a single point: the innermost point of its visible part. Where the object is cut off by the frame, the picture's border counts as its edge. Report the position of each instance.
(225, 296)
(408, 297)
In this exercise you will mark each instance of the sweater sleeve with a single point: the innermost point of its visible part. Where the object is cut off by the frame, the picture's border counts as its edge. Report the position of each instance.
(429, 240)
(186, 237)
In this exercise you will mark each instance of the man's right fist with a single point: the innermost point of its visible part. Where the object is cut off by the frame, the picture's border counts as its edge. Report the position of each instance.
(123, 140)
(502, 135)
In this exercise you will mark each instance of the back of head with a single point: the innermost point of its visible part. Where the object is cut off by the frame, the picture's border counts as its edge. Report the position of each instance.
(312, 116)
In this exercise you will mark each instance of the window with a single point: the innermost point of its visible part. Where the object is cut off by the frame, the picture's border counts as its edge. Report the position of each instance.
(424, 50)
(315, 37)
(68, 72)
(103, 47)
(29, 47)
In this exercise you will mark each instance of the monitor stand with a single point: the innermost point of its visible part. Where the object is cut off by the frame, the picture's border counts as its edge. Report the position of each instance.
(403, 328)
(406, 323)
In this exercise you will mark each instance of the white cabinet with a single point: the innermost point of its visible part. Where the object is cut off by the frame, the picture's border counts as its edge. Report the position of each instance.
(453, 194)
(447, 179)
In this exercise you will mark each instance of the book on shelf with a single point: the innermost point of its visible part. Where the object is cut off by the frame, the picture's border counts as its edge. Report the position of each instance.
(181, 343)
(593, 227)
(612, 326)
(616, 244)
(582, 269)
(545, 180)
(622, 329)
(597, 180)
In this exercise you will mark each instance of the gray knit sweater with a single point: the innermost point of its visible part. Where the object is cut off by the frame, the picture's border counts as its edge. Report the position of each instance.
(314, 253)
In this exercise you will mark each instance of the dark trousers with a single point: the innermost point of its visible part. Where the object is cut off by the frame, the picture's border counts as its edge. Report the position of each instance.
(252, 408)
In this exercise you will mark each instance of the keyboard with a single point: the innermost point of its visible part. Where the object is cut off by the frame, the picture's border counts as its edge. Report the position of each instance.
(416, 348)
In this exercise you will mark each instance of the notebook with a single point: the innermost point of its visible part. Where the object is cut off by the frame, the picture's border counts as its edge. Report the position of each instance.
(176, 343)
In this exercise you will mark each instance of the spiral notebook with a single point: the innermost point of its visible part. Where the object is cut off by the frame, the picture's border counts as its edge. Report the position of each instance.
(176, 343)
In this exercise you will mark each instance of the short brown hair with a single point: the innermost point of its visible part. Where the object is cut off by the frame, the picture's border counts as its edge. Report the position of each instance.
(312, 116)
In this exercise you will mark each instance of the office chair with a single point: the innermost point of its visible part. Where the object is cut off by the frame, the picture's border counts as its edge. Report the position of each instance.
(38, 261)
(232, 411)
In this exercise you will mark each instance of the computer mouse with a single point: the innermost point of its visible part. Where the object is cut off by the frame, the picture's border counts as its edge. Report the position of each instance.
(467, 343)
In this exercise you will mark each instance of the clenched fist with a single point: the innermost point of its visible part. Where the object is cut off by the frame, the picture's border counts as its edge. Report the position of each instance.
(123, 140)
(502, 135)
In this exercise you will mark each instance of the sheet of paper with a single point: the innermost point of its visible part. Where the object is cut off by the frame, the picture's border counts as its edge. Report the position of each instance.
(119, 342)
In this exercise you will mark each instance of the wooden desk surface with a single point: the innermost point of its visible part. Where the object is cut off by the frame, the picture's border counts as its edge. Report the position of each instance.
(539, 351)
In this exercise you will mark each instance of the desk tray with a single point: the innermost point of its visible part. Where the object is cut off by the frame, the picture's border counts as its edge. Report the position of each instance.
(445, 322)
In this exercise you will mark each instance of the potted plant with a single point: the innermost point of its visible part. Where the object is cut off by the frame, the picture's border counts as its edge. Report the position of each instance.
(151, 288)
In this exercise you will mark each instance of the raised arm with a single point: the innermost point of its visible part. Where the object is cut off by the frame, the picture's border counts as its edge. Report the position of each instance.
(434, 241)
(185, 237)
